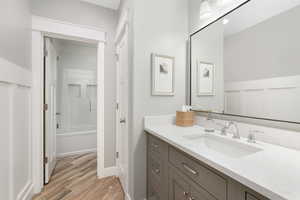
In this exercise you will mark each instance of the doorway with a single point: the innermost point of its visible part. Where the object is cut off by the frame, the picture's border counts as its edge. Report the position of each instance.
(70, 100)
(43, 27)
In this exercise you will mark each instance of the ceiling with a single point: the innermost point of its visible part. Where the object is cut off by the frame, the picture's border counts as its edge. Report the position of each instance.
(112, 4)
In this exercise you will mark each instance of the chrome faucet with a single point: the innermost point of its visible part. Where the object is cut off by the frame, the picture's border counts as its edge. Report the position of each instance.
(236, 133)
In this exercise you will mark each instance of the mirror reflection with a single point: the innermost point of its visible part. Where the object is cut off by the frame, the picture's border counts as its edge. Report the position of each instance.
(247, 63)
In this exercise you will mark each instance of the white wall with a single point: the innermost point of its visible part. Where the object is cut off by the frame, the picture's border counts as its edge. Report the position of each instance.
(77, 12)
(15, 100)
(15, 35)
(158, 27)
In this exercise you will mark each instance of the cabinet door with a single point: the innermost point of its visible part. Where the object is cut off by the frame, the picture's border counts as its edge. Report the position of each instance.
(178, 187)
(198, 193)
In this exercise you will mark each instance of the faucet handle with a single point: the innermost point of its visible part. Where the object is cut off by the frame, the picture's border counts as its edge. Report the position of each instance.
(223, 130)
(251, 137)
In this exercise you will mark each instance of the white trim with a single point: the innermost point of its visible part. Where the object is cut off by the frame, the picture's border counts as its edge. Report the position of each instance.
(122, 25)
(112, 4)
(76, 152)
(37, 110)
(100, 110)
(26, 193)
(127, 196)
(14, 74)
(11, 139)
(110, 171)
(51, 26)
(40, 28)
(70, 134)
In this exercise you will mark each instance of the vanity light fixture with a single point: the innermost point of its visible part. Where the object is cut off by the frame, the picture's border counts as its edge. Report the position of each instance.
(205, 9)
(223, 2)
(225, 21)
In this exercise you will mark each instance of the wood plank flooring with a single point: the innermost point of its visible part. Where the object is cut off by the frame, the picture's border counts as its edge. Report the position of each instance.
(75, 178)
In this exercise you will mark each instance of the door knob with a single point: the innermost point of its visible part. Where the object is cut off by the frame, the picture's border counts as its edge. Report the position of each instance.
(122, 120)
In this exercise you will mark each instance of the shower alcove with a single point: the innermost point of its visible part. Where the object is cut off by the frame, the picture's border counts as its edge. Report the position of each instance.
(77, 119)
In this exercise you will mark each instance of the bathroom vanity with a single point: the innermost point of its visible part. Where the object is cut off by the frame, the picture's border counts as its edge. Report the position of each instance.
(189, 164)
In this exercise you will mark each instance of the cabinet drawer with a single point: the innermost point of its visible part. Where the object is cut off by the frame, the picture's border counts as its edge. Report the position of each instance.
(153, 191)
(251, 196)
(155, 145)
(155, 167)
(181, 188)
(206, 178)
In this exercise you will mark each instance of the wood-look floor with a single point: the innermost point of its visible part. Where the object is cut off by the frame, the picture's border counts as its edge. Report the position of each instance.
(75, 178)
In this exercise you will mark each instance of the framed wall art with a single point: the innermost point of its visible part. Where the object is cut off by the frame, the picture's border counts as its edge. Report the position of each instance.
(163, 75)
(205, 79)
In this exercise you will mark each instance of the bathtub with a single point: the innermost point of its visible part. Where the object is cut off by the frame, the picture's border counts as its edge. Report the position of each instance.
(75, 141)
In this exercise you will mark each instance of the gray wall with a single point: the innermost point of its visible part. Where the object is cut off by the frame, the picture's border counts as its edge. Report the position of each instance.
(159, 27)
(106, 19)
(268, 49)
(15, 34)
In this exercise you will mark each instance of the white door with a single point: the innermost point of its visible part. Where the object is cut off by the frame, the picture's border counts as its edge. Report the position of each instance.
(50, 108)
(122, 111)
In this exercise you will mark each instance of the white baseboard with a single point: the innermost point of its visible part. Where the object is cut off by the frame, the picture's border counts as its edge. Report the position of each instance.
(26, 193)
(110, 171)
(127, 196)
(76, 152)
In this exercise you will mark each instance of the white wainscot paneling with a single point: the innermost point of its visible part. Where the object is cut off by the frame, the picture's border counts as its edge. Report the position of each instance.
(21, 141)
(71, 143)
(274, 98)
(15, 129)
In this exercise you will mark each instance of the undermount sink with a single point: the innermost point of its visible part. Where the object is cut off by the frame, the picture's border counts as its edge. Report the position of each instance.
(223, 145)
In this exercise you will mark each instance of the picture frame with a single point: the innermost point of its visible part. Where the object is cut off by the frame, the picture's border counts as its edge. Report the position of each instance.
(205, 79)
(163, 75)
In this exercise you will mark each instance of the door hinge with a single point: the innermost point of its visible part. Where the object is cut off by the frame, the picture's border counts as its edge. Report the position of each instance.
(117, 106)
(45, 160)
(117, 154)
(117, 57)
(45, 107)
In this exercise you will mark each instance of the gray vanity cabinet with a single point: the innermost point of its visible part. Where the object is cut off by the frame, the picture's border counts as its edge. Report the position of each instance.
(174, 175)
(179, 187)
(157, 169)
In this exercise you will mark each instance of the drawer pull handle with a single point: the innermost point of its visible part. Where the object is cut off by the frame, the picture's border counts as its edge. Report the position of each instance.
(155, 145)
(157, 171)
(189, 169)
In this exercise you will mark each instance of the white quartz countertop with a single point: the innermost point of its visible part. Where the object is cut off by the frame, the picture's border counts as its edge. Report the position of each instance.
(273, 172)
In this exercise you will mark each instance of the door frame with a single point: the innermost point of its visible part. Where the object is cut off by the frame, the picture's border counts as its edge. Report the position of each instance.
(122, 34)
(42, 27)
